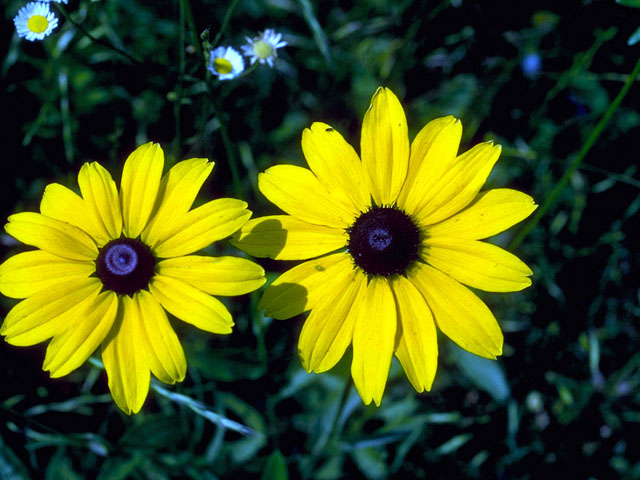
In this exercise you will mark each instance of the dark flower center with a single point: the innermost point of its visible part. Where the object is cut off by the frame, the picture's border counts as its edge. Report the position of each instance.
(384, 241)
(125, 266)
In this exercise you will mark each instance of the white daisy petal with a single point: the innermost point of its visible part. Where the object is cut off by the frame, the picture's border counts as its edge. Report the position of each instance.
(263, 48)
(225, 63)
(35, 21)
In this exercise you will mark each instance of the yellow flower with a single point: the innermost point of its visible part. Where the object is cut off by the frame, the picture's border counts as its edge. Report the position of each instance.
(108, 264)
(405, 224)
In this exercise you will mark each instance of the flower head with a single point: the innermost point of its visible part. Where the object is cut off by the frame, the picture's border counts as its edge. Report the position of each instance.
(108, 264)
(392, 238)
(35, 21)
(263, 48)
(226, 63)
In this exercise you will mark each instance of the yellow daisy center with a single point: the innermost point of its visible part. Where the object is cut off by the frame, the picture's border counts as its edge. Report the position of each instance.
(262, 49)
(222, 66)
(37, 23)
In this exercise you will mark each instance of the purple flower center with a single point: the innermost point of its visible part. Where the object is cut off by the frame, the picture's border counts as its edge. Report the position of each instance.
(125, 266)
(384, 241)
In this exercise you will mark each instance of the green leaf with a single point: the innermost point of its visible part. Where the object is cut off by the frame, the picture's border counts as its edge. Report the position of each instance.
(118, 468)
(486, 374)
(370, 462)
(629, 3)
(226, 365)
(153, 432)
(634, 38)
(245, 449)
(11, 468)
(453, 444)
(59, 467)
(276, 467)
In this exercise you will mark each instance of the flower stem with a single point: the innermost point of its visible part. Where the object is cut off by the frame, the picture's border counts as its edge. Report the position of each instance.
(577, 161)
(225, 22)
(228, 147)
(344, 397)
(96, 40)
(177, 101)
(195, 38)
(65, 114)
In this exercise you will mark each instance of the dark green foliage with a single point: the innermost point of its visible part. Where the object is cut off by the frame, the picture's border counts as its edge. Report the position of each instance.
(534, 76)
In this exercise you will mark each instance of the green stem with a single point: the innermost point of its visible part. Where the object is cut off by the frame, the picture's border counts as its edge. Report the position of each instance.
(228, 147)
(65, 113)
(343, 403)
(577, 161)
(225, 22)
(177, 101)
(96, 40)
(580, 64)
(195, 38)
(316, 29)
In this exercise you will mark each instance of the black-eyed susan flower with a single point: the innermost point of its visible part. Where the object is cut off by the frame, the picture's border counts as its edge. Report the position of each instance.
(35, 21)
(264, 47)
(393, 239)
(225, 63)
(108, 264)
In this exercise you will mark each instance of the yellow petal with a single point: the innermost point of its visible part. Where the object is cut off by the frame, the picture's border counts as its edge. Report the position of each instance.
(283, 237)
(70, 349)
(124, 360)
(178, 189)
(433, 152)
(384, 146)
(491, 212)
(337, 166)
(374, 337)
(328, 330)
(459, 313)
(299, 289)
(63, 204)
(214, 275)
(191, 305)
(459, 186)
(163, 351)
(298, 192)
(478, 264)
(28, 273)
(101, 196)
(202, 226)
(139, 186)
(417, 348)
(51, 235)
(49, 312)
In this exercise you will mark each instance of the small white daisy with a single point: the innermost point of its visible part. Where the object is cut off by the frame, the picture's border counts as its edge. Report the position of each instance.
(226, 63)
(35, 21)
(263, 48)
